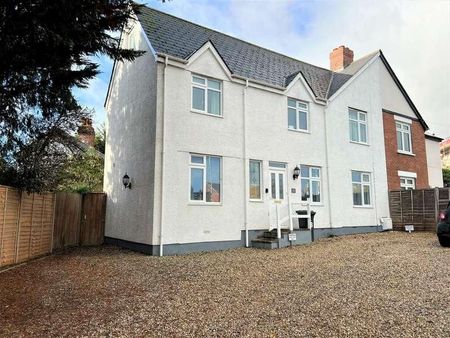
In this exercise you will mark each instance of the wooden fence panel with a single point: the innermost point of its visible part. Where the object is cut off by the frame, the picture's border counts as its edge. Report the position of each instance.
(2, 218)
(47, 224)
(25, 221)
(417, 207)
(93, 219)
(67, 220)
(32, 225)
(10, 226)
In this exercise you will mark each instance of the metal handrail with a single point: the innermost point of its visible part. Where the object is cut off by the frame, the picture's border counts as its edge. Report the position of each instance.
(291, 216)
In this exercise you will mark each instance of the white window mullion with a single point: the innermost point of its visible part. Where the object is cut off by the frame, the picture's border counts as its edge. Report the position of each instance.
(205, 173)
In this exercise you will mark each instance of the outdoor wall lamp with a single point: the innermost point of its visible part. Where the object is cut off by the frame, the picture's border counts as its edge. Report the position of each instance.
(126, 181)
(296, 172)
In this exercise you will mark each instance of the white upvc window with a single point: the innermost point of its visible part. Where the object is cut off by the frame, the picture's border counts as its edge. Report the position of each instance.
(205, 179)
(206, 95)
(310, 178)
(298, 115)
(361, 188)
(407, 183)
(403, 137)
(255, 180)
(358, 126)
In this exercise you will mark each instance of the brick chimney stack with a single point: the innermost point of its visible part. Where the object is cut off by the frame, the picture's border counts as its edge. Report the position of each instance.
(340, 58)
(86, 132)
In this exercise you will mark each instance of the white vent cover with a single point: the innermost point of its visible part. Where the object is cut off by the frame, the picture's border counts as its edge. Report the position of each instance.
(386, 223)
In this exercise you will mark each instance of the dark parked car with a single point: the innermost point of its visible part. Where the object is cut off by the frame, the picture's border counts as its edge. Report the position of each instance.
(443, 227)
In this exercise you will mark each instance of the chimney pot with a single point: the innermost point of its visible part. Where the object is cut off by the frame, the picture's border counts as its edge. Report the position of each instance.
(340, 58)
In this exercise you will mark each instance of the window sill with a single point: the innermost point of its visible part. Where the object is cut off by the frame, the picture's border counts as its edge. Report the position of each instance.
(312, 204)
(204, 113)
(360, 143)
(256, 201)
(363, 206)
(300, 131)
(405, 153)
(203, 204)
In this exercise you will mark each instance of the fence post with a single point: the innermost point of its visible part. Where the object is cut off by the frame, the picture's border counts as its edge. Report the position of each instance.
(401, 208)
(423, 210)
(436, 203)
(16, 258)
(412, 207)
(53, 222)
(31, 227)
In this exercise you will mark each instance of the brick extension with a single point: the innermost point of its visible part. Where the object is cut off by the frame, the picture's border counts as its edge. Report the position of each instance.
(396, 161)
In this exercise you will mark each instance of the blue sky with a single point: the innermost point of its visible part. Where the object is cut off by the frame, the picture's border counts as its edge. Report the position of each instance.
(414, 36)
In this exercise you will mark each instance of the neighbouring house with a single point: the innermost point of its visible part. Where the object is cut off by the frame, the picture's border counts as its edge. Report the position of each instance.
(86, 132)
(222, 139)
(445, 153)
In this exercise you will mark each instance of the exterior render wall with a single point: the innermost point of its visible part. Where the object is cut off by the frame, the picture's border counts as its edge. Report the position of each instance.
(268, 139)
(363, 93)
(130, 144)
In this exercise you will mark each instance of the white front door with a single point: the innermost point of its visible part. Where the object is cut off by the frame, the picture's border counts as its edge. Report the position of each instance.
(278, 197)
(278, 185)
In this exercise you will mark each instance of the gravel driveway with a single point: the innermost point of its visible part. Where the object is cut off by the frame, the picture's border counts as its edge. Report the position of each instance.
(389, 284)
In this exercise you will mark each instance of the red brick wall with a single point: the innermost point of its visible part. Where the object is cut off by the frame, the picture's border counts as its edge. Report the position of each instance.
(396, 161)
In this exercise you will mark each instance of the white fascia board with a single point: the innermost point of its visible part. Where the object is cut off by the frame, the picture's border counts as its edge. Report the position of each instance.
(209, 46)
(406, 174)
(113, 72)
(147, 40)
(301, 78)
(358, 73)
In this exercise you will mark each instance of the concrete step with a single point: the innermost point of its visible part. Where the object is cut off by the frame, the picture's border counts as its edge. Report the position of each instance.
(265, 243)
(269, 240)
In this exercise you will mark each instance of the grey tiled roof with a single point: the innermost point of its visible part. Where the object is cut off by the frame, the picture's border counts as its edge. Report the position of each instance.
(180, 38)
(337, 81)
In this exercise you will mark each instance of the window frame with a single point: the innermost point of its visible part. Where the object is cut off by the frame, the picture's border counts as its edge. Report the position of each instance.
(402, 133)
(359, 122)
(362, 184)
(203, 166)
(299, 110)
(260, 181)
(311, 179)
(406, 185)
(205, 88)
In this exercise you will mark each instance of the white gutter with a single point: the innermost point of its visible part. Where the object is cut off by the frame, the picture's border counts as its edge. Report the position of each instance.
(163, 160)
(330, 214)
(246, 173)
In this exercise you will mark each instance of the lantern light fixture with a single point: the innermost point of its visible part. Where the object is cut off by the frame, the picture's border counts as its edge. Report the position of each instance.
(296, 172)
(126, 180)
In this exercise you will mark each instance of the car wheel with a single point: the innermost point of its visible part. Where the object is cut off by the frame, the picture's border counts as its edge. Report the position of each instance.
(444, 241)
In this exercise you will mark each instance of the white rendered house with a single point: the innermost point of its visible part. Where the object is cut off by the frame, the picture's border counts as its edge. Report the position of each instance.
(210, 129)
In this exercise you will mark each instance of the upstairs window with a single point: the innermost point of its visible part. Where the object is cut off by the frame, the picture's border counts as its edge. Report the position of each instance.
(298, 115)
(206, 95)
(310, 184)
(403, 137)
(361, 188)
(407, 183)
(358, 126)
(205, 177)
